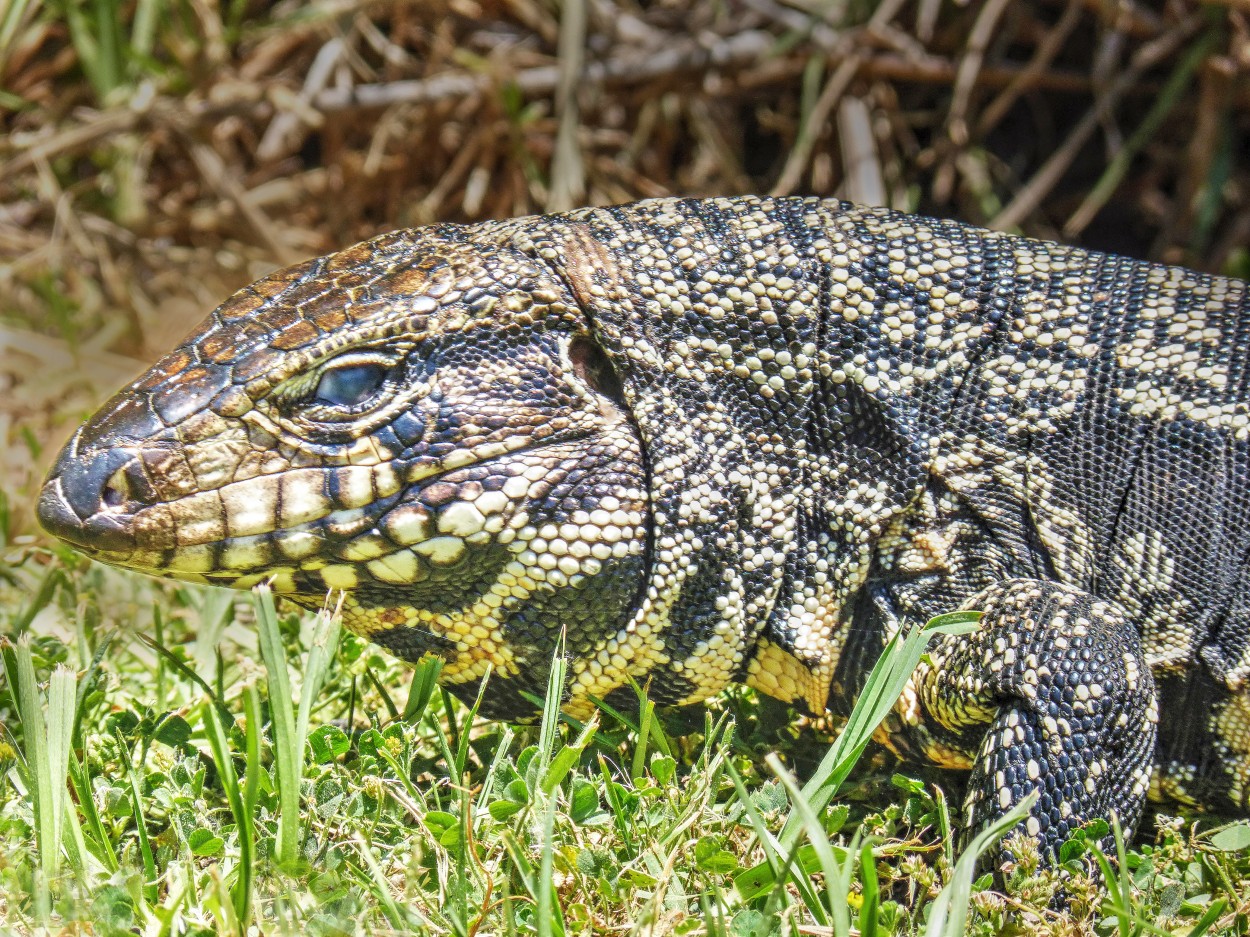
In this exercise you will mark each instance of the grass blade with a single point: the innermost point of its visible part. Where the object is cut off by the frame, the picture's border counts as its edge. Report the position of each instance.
(871, 892)
(46, 743)
(141, 823)
(290, 728)
(101, 845)
(320, 655)
(421, 690)
(62, 700)
(949, 912)
(836, 874)
(550, 915)
(241, 892)
(882, 689)
(288, 759)
(380, 887)
(251, 782)
(14, 16)
(551, 708)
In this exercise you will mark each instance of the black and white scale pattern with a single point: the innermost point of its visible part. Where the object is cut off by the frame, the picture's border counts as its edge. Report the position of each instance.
(737, 440)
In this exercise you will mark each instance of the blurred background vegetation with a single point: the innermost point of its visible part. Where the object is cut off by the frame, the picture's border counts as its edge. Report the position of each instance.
(155, 155)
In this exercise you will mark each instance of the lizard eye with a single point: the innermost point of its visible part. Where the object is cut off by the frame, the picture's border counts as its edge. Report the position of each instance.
(351, 385)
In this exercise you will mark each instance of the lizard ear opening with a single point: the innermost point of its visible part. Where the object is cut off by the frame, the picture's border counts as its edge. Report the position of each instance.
(593, 368)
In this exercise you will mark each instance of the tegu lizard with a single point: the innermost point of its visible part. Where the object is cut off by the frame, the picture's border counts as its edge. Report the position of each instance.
(736, 440)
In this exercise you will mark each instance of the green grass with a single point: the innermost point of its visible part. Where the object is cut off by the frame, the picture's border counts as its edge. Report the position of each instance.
(182, 761)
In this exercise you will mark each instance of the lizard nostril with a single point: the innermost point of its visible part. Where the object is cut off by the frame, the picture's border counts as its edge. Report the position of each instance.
(116, 490)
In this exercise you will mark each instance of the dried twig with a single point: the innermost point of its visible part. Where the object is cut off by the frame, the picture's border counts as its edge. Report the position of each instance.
(969, 65)
(1029, 197)
(681, 58)
(215, 173)
(1032, 73)
(862, 168)
(287, 129)
(568, 184)
(72, 139)
(801, 152)
(1118, 166)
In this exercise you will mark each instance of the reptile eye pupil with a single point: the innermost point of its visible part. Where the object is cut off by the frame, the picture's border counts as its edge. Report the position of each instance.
(349, 386)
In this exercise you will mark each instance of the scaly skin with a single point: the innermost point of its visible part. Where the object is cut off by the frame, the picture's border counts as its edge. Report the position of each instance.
(730, 440)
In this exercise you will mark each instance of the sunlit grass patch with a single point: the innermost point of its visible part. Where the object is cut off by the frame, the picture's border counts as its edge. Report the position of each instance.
(188, 761)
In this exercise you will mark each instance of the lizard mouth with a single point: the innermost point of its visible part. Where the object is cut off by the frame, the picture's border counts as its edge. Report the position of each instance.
(300, 519)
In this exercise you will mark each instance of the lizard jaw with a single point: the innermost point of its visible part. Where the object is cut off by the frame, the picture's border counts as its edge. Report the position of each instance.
(416, 522)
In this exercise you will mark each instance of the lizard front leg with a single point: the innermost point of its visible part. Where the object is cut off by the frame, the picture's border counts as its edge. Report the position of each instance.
(1056, 685)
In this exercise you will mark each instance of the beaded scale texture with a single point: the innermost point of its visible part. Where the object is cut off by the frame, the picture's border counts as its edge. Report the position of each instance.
(737, 440)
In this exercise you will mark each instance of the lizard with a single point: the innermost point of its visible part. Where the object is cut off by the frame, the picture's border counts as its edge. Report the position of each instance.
(736, 440)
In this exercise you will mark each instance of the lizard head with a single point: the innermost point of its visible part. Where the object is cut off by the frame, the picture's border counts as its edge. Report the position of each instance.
(424, 422)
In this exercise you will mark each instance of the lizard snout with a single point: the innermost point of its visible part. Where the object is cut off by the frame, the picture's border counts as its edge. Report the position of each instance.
(90, 496)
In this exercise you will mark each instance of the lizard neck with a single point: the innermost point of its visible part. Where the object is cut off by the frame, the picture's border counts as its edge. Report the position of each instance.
(787, 386)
